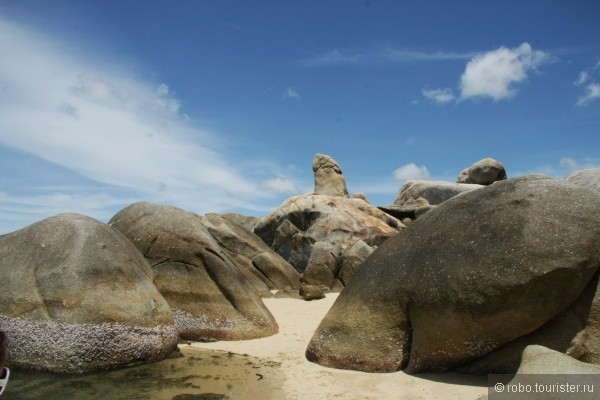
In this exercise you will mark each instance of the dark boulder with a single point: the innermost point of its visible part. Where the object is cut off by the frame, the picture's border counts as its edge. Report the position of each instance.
(311, 292)
(492, 269)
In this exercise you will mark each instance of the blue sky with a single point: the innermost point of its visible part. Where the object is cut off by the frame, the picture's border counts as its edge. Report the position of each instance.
(219, 106)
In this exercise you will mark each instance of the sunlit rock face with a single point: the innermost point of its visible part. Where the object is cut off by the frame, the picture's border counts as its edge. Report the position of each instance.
(474, 281)
(326, 234)
(483, 172)
(77, 296)
(210, 296)
(329, 179)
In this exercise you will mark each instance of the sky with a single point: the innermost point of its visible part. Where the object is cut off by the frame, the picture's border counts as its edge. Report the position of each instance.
(220, 106)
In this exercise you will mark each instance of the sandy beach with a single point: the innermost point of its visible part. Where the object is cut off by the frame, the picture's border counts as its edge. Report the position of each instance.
(297, 378)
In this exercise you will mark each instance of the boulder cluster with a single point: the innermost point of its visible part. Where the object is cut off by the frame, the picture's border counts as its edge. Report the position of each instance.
(482, 275)
(327, 234)
(474, 281)
(77, 295)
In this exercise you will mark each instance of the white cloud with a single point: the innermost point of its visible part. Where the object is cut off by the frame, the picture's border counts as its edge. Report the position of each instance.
(495, 73)
(592, 92)
(411, 171)
(410, 141)
(291, 93)
(592, 89)
(582, 78)
(569, 163)
(563, 167)
(279, 185)
(439, 96)
(106, 124)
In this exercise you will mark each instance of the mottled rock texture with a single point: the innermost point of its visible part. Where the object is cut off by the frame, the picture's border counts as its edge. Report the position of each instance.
(210, 297)
(417, 194)
(483, 172)
(261, 265)
(329, 179)
(301, 222)
(77, 296)
(492, 270)
(246, 221)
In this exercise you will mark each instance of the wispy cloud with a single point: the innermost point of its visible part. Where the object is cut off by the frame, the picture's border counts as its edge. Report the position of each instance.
(592, 92)
(112, 127)
(411, 171)
(291, 93)
(381, 55)
(495, 73)
(439, 96)
(280, 185)
(563, 167)
(591, 88)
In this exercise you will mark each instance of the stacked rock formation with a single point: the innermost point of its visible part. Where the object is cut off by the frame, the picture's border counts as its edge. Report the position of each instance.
(416, 197)
(326, 235)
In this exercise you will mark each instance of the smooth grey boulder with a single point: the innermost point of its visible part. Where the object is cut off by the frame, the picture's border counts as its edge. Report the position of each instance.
(489, 269)
(77, 296)
(329, 179)
(541, 360)
(417, 194)
(483, 172)
(263, 267)
(209, 295)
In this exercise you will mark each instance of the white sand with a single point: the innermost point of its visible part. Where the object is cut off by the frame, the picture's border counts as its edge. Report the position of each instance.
(304, 380)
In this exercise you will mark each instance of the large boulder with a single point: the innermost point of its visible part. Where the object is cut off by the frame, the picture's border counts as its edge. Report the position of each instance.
(585, 177)
(483, 172)
(210, 297)
(329, 179)
(263, 267)
(294, 229)
(77, 296)
(492, 269)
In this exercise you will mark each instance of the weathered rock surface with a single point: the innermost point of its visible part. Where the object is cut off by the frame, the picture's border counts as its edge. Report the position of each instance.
(329, 179)
(542, 360)
(585, 177)
(77, 296)
(301, 222)
(311, 292)
(263, 267)
(483, 172)
(209, 295)
(488, 269)
(416, 194)
(246, 221)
